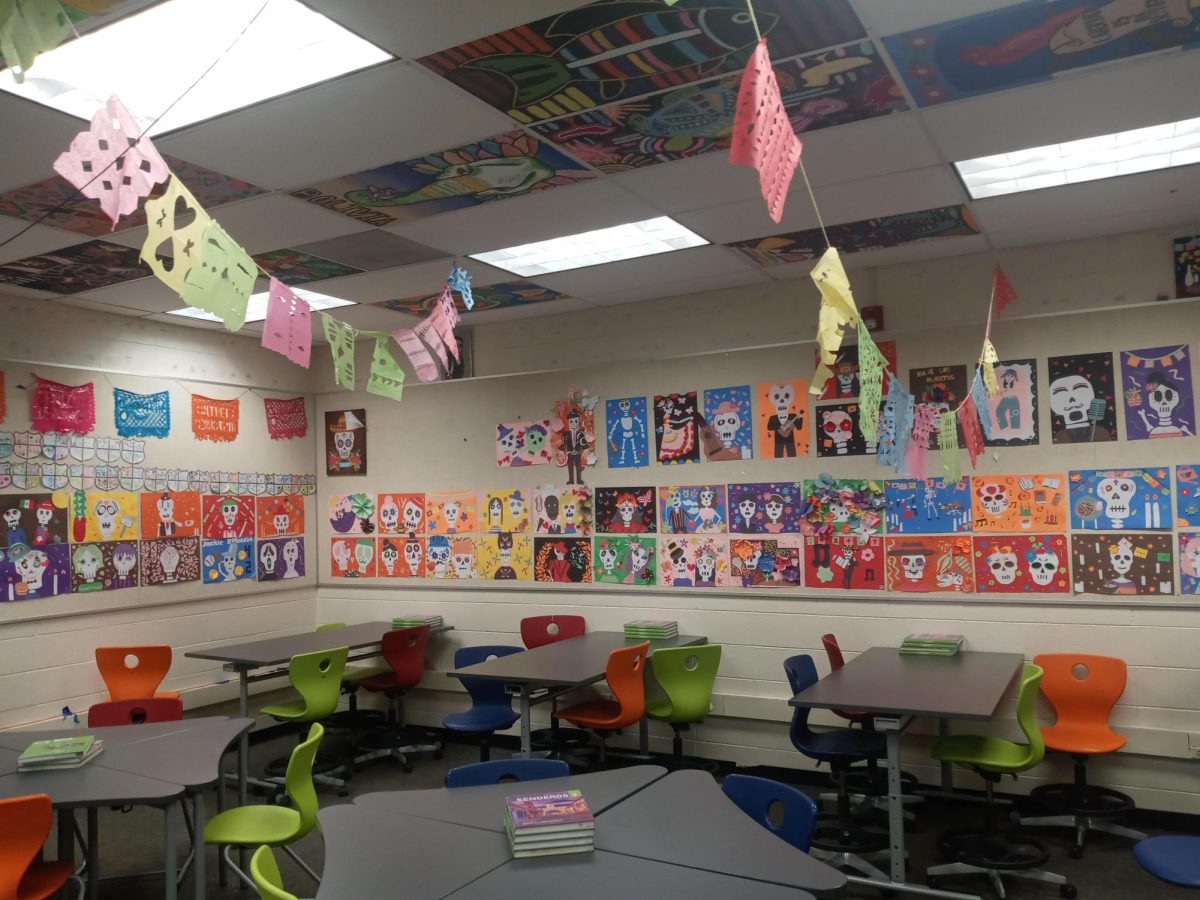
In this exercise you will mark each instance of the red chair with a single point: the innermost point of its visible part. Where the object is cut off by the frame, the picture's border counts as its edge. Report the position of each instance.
(625, 674)
(836, 661)
(135, 712)
(538, 631)
(127, 680)
(404, 652)
(24, 827)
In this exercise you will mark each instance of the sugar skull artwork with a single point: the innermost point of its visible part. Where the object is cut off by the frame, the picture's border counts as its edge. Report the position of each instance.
(766, 562)
(29, 572)
(280, 558)
(170, 514)
(838, 431)
(451, 512)
(227, 559)
(928, 506)
(346, 442)
(563, 510)
(279, 516)
(626, 510)
(34, 519)
(676, 430)
(462, 558)
(694, 561)
(400, 513)
(942, 388)
(621, 559)
(437, 557)
(101, 516)
(227, 516)
(845, 561)
(692, 509)
(1022, 564)
(728, 413)
(401, 556)
(1189, 562)
(1024, 504)
(1187, 496)
(1014, 411)
(774, 507)
(504, 556)
(1117, 499)
(1156, 385)
(562, 560)
(504, 510)
(1123, 564)
(627, 433)
(1083, 407)
(783, 419)
(843, 506)
(170, 560)
(844, 383)
(929, 565)
(353, 557)
(104, 567)
(524, 443)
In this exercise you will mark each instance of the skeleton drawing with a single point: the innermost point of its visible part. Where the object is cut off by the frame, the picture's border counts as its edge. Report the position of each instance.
(268, 556)
(626, 433)
(838, 426)
(1120, 560)
(412, 557)
(1043, 564)
(1162, 396)
(1117, 496)
(785, 421)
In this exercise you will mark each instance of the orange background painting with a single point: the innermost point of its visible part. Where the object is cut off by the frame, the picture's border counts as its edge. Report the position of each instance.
(767, 416)
(267, 508)
(1028, 504)
(186, 514)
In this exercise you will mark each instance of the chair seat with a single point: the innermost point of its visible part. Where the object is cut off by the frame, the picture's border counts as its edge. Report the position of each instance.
(43, 879)
(659, 709)
(593, 714)
(158, 695)
(844, 745)
(481, 719)
(291, 711)
(1172, 857)
(261, 823)
(1086, 739)
(386, 682)
(982, 752)
(358, 674)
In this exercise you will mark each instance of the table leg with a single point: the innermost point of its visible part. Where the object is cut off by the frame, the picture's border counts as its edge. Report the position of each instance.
(526, 740)
(243, 750)
(947, 768)
(644, 736)
(895, 798)
(198, 842)
(66, 835)
(93, 853)
(169, 873)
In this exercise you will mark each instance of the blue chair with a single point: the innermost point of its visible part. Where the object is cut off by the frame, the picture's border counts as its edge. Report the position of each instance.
(837, 839)
(491, 708)
(498, 770)
(755, 797)
(1175, 858)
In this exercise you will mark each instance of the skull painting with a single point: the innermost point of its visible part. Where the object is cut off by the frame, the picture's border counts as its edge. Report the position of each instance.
(913, 566)
(389, 515)
(88, 560)
(1120, 556)
(106, 512)
(608, 558)
(782, 396)
(1003, 564)
(341, 555)
(1043, 566)
(1116, 494)
(993, 497)
(291, 558)
(706, 565)
(343, 444)
(281, 522)
(267, 557)
(389, 556)
(838, 426)
(412, 516)
(412, 556)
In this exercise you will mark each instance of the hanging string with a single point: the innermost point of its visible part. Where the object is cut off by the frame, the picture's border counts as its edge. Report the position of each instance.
(753, 19)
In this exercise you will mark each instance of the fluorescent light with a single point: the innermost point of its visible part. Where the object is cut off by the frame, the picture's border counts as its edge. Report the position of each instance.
(592, 248)
(1090, 159)
(256, 308)
(150, 60)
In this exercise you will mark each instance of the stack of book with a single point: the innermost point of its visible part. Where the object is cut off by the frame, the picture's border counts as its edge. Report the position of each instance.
(549, 824)
(59, 753)
(651, 629)
(410, 621)
(932, 644)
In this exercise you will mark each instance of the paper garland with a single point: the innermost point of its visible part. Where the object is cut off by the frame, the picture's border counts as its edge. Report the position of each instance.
(988, 360)
(1002, 291)
(286, 418)
(214, 420)
(386, 378)
(62, 407)
(948, 445)
(185, 239)
(924, 416)
(417, 353)
(341, 346)
(142, 415)
(460, 281)
(871, 366)
(837, 311)
(968, 415)
(31, 27)
(221, 279)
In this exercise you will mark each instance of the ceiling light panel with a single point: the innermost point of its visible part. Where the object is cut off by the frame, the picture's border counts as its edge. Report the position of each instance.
(256, 308)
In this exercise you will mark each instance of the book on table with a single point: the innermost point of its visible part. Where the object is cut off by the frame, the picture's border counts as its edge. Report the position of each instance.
(546, 824)
(59, 753)
(654, 629)
(410, 621)
(932, 644)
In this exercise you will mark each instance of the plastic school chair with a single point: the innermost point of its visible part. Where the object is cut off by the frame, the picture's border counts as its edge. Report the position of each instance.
(135, 712)
(24, 827)
(625, 676)
(317, 679)
(686, 675)
(538, 631)
(755, 797)
(131, 673)
(1174, 858)
(498, 770)
(265, 872)
(354, 719)
(491, 706)
(404, 652)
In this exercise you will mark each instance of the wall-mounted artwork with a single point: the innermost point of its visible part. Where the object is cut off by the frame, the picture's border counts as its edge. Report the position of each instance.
(30, 572)
(1123, 564)
(504, 557)
(352, 513)
(728, 413)
(1187, 496)
(676, 433)
(766, 562)
(1022, 564)
(942, 386)
(401, 556)
(1014, 411)
(627, 433)
(838, 431)
(621, 559)
(929, 564)
(693, 509)
(1024, 504)
(564, 560)
(401, 513)
(227, 559)
(352, 557)
(228, 516)
(772, 507)
(170, 514)
(450, 512)
(525, 443)
(295, 267)
(1156, 385)
(844, 383)
(845, 561)
(34, 519)
(104, 516)
(1083, 406)
(694, 561)
(1117, 499)
(573, 434)
(170, 560)
(1189, 562)
(1187, 266)
(277, 516)
(346, 442)
(280, 558)
(563, 510)
(505, 509)
(626, 510)
(844, 506)
(501, 295)
(928, 506)
(783, 419)
(104, 567)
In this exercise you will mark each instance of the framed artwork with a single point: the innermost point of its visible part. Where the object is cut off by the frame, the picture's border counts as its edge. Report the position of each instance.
(694, 561)
(783, 419)
(450, 512)
(1028, 504)
(771, 507)
(352, 557)
(104, 567)
(1014, 411)
(624, 559)
(1156, 385)
(1187, 266)
(676, 438)
(1123, 564)
(626, 510)
(346, 442)
(564, 510)
(1022, 564)
(227, 559)
(506, 509)
(846, 561)
(693, 509)
(930, 564)
(729, 415)
(1117, 499)
(504, 556)
(562, 559)
(1083, 406)
(227, 516)
(278, 516)
(838, 431)
(766, 562)
(627, 433)
(29, 572)
(170, 560)
(928, 506)
(280, 558)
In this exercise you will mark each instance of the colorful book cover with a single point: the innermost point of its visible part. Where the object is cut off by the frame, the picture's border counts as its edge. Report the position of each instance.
(543, 810)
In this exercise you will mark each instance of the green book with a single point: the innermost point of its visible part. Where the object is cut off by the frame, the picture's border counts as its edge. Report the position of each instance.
(549, 851)
(64, 748)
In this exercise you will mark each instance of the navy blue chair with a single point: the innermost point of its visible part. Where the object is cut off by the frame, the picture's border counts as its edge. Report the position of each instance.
(491, 708)
(498, 770)
(755, 797)
(837, 839)
(1174, 858)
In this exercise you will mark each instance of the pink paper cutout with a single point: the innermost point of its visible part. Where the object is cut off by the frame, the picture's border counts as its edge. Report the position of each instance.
(427, 333)
(288, 326)
(62, 407)
(131, 176)
(924, 415)
(417, 353)
(445, 302)
(444, 329)
(762, 133)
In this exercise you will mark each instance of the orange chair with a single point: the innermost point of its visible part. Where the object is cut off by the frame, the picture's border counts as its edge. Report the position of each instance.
(135, 712)
(24, 826)
(1083, 689)
(624, 673)
(138, 680)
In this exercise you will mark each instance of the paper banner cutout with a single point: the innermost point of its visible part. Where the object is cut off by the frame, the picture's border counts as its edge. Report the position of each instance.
(286, 418)
(1002, 292)
(433, 339)
(387, 378)
(444, 318)
(32, 26)
(762, 133)
(341, 345)
(163, 223)
(837, 311)
(110, 164)
(222, 279)
(982, 407)
(968, 415)
(288, 326)
(871, 366)
(948, 445)
(924, 415)
(460, 281)
(142, 415)
(62, 407)
(987, 365)
(214, 420)
(417, 354)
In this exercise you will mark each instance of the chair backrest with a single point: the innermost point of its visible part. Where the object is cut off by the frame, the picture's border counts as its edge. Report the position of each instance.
(330, 626)
(317, 677)
(484, 691)
(801, 674)
(834, 652)
(1081, 687)
(1031, 679)
(537, 631)
(404, 650)
(686, 675)
(298, 778)
(756, 797)
(265, 872)
(24, 825)
(625, 674)
(497, 770)
(131, 673)
(135, 712)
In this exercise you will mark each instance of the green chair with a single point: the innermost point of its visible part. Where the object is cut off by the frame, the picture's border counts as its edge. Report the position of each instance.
(686, 675)
(265, 872)
(354, 719)
(989, 851)
(317, 678)
(271, 824)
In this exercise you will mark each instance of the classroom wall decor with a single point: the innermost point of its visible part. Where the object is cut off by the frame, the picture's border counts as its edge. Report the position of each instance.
(928, 506)
(562, 559)
(783, 427)
(1187, 496)
(929, 564)
(844, 384)
(227, 559)
(728, 411)
(848, 562)
(1116, 499)
(1021, 562)
(505, 509)
(346, 442)
(1189, 562)
(1082, 400)
(1019, 503)
(280, 559)
(766, 562)
(624, 559)
(111, 566)
(170, 560)
(694, 561)
(627, 433)
(1123, 564)
(774, 507)
(30, 572)
(566, 510)
(1014, 411)
(676, 438)
(692, 509)
(626, 510)
(1156, 386)
(839, 432)
(171, 514)
(525, 443)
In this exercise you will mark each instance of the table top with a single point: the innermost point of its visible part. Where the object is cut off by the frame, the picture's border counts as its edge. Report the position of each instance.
(274, 651)
(685, 819)
(578, 660)
(8, 760)
(483, 807)
(968, 685)
(91, 785)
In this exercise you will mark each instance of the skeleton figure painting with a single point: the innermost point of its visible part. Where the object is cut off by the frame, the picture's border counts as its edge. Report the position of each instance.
(504, 557)
(1123, 564)
(523, 444)
(772, 507)
(845, 561)
(400, 513)
(503, 510)
(562, 560)
(698, 562)
(766, 562)
(1025, 504)
(1187, 496)
(1022, 564)
(170, 514)
(1189, 562)
(170, 560)
(1014, 412)
(676, 431)
(107, 516)
(227, 559)
(279, 516)
(943, 387)
(838, 433)
(728, 414)
(574, 434)
(1156, 385)
(104, 567)
(280, 558)
(352, 557)
(34, 519)
(227, 516)
(28, 572)
(626, 433)
(346, 442)
(844, 383)
(450, 512)
(564, 510)
(1117, 499)
(692, 509)
(929, 506)
(783, 419)
(626, 510)
(929, 565)
(1083, 407)
(621, 559)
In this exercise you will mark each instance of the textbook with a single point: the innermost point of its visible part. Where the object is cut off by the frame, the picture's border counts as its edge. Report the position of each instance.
(546, 824)
(932, 644)
(654, 629)
(410, 621)
(59, 753)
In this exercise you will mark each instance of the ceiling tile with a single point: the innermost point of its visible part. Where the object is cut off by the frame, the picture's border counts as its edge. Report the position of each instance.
(888, 256)
(372, 250)
(683, 286)
(42, 134)
(635, 274)
(409, 281)
(147, 296)
(889, 17)
(36, 240)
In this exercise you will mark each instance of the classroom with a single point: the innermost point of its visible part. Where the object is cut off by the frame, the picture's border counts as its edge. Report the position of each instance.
(761, 425)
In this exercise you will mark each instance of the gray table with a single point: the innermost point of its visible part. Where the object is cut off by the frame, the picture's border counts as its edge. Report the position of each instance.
(969, 685)
(560, 667)
(483, 807)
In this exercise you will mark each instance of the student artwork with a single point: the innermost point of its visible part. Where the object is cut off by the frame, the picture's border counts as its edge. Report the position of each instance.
(626, 510)
(1117, 499)
(1123, 564)
(573, 431)
(402, 556)
(559, 510)
(562, 560)
(676, 438)
(1189, 563)
(28, 573)
(350, 513)
(1187, 266)
(774, 507)
(1022, 564)
(505, 557)
(142, 415)
(291, 267)
(929, 565)
(503, 510)
(839, 432)
(34, 519)
(626, 433)
(286, 419)
(766, 562)
(227, 559)
(1028, 504)
(172, 560)
(1187, 496)
(346, 442)
(692, 509)
(701, 562)
(450, 512)
(69, 408)
(280, 559)
(287, 329)
(844, 385)
(170, 514)
(1156, 385)
(104, 516)
(928, 506)
(940, 387)
(845, 561)
(277, 516)
(1014, 410)
(728, 414)
(104, 567)
(401, 513)
(783, 419)
(1083, 407)
(619, 559)
(523, 444)
(352, 557)
(214, 420)
(501, 295)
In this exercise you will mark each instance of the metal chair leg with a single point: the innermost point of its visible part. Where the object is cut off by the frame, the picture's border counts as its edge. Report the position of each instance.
(302, 864)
